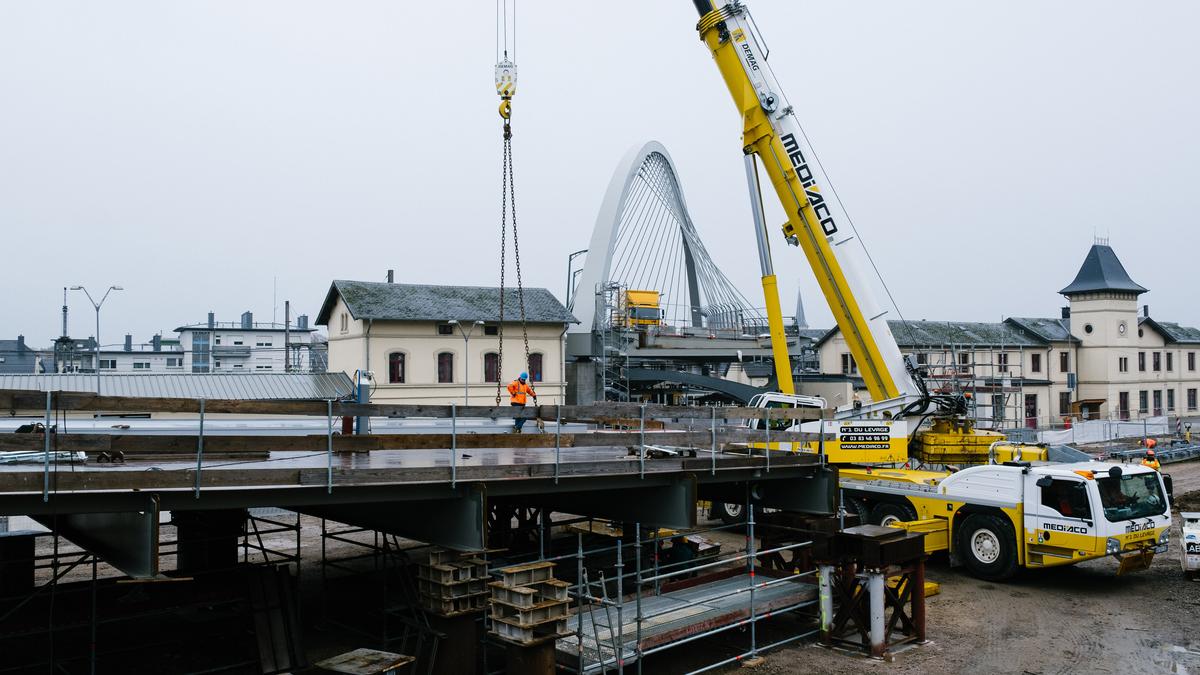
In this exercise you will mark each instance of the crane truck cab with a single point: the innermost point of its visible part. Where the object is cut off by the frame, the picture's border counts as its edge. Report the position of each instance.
(996, 518)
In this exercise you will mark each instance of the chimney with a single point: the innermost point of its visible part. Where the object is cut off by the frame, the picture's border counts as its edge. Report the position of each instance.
(391, 276)
(302, 322)
(128, 342)
(157, 342)
(20, 343)
(247, 320)
(212, 321)
(1146, 311)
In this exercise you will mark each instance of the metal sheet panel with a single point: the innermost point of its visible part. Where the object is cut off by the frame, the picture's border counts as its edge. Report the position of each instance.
(234, 386)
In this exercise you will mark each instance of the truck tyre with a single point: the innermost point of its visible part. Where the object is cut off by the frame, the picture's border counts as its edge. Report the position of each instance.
(987, 546)
(886, 513)
(857, 507)
(729, 513)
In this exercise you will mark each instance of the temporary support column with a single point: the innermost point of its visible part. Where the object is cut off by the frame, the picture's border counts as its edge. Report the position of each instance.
(875, 591)
(825, 601)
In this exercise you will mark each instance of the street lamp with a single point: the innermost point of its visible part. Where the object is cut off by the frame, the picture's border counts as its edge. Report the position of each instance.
(466, 356)
(97, 305)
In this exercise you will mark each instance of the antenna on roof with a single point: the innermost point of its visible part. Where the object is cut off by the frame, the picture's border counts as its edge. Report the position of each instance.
(1100, 241)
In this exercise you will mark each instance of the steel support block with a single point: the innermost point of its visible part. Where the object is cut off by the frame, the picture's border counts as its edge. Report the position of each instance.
(126, 540)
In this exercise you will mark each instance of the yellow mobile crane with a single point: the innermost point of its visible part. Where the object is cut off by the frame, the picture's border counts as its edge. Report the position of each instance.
(1014, 508)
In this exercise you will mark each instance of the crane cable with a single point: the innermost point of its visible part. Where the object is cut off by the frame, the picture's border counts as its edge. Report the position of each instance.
(506, 87)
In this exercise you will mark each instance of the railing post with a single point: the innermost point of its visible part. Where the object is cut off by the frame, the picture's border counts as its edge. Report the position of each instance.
(620, 605)
(453, 445)
(329, 445)
(642, 440)
(200, 449)
(46, 459)
(557, 440)
(750, 554)
(579, 596)
(714, 440)
(638, 567)
(767, 425)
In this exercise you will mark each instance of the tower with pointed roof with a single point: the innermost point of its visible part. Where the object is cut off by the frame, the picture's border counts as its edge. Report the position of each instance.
(1103, 300)
(1104, 316)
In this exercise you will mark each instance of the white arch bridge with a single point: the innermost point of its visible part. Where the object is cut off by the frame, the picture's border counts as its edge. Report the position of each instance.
(644, 239)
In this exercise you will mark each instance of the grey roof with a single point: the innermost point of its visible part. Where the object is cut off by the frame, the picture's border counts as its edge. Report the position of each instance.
(1102, 271)
(914, 334)
(813, 334)
(18, 358)
(1173, 332)
(1050, 330)
(419, 302)
(237, 386)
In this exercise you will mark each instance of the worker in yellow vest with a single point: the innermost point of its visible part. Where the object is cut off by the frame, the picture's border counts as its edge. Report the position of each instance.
(1150, 460)
(519, 391)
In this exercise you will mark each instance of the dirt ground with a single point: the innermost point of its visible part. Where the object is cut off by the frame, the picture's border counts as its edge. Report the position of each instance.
(1080, 619)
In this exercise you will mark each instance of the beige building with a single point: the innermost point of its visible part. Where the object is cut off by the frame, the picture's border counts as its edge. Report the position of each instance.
(441, 344)
(1103, 359)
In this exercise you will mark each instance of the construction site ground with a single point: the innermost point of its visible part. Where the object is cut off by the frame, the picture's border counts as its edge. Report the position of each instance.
(1079, 619)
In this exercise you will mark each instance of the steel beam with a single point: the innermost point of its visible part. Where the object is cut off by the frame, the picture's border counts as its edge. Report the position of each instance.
(126, 540)
(456, 523)
(672, 505)
(814, 493)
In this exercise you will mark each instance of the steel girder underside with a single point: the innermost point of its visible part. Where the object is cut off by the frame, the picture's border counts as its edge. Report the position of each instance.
(122, 526)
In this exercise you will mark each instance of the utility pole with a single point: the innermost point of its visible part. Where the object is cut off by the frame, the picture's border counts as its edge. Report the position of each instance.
(97, 305)
(466, 357)
(287, 336)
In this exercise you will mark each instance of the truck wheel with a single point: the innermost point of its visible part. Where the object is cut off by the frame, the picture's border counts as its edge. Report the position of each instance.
(885, 513)
(988, 547)
(857, 507)
(729, 513)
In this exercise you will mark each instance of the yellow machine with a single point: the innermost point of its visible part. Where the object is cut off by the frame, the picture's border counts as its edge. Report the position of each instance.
(641, 308)
(980, 513)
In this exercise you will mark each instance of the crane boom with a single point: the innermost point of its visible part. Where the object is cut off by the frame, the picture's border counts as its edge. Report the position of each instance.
(815, 223)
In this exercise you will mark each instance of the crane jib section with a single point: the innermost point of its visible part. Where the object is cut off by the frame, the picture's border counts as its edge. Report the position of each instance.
(816, 224)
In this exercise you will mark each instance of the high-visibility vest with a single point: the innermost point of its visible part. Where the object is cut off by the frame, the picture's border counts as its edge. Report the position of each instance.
(1151, 462)
(518, 390)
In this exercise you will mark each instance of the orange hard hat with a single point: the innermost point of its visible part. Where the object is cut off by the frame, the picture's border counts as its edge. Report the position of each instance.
(1149, 453)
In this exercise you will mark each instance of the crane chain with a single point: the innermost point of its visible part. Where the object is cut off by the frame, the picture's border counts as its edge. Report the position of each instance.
(508, 196)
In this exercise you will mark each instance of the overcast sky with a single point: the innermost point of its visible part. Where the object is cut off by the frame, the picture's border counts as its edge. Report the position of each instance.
(195, 151)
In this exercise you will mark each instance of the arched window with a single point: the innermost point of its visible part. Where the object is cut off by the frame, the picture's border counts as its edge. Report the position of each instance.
(535, 367)
(396, 368)
(445, 367)
(491, 367)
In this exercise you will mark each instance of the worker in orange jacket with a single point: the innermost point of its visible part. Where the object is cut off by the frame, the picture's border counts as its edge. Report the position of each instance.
(519, 391)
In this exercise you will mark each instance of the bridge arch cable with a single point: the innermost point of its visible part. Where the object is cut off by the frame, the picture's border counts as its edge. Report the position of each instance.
(656, 247)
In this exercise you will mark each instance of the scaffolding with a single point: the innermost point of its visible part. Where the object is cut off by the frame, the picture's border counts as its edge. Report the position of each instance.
(81, 615)
(991, 377)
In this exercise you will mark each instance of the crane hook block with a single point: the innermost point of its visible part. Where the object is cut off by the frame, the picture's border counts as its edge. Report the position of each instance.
(506, 79)
(506, 109)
